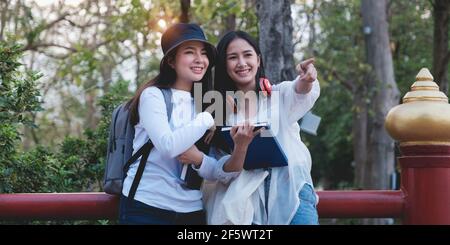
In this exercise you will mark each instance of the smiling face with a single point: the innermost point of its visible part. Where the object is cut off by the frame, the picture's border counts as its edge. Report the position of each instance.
(191, 63)
(242, 64)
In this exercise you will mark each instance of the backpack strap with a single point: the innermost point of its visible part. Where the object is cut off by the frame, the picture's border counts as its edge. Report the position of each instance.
(144, 151)
(146, 148)
(167, 93)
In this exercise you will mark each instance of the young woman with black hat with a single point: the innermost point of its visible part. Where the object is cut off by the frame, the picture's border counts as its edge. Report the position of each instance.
(162, 197)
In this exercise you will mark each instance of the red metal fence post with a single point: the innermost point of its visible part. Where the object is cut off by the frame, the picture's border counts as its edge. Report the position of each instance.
(422, 126)
(426, 184)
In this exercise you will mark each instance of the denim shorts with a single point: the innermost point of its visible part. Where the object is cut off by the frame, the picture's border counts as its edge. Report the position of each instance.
(132, 212)
(307, 211)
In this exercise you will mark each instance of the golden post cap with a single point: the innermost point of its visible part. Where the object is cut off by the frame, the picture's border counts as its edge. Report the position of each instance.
(424, 116)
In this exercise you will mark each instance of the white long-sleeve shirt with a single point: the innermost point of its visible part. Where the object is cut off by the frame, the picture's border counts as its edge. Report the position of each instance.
(243, 200)
(160, 185)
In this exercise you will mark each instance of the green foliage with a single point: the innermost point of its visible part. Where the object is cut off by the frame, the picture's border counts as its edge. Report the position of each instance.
(18, 92)
(339, 60)
(8, 136)
(31, 172)
(18, 98)
(331, 150)
(212, 14)
(411, 49)
(76, 165)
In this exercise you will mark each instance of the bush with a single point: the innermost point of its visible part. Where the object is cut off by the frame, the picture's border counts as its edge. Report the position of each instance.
(19, 97)
(76, 165)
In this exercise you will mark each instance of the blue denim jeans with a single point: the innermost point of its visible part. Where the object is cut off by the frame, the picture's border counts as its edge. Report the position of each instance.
(307, 211)
(132, 212)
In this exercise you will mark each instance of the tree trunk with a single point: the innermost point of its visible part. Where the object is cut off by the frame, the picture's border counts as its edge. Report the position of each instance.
(230, 23)
(359, 132)
(106, 71)
(275, 39)
(185, 5)
(311, 18)
(92, 118)
(441, 54)
(383, 95)
(3, 17)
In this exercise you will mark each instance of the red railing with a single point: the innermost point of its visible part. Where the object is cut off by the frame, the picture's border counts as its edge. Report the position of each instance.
(361, 204)
(54, 206)
(424, 197)
(80, 206)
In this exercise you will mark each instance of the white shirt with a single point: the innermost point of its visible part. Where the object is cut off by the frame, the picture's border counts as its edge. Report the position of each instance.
(161, 185)
(242, 201)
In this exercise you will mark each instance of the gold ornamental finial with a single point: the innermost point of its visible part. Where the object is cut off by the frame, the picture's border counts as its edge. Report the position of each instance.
(424, 116)
(424, 89)
(424, 75)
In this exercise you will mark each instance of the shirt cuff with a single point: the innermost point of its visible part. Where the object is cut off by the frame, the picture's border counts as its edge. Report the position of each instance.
(212, 169)
(300, 96)
(223, 176)
(206, 169)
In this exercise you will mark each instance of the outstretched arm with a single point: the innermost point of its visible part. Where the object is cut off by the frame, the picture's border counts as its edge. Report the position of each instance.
(299, 96)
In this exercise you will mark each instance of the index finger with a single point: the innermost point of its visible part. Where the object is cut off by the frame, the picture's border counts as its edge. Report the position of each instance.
(304, 64)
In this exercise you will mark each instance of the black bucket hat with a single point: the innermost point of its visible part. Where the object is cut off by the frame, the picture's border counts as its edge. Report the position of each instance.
(182, 32)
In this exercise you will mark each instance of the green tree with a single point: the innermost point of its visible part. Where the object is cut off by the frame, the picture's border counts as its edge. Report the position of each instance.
(411, 49)
(18, 98)
(441, 53)
(339, 51)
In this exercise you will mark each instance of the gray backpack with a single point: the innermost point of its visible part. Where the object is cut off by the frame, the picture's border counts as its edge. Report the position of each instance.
(120, 149)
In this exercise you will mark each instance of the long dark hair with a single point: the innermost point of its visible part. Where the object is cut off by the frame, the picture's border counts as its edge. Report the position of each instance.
(166, 79)
(223, 82)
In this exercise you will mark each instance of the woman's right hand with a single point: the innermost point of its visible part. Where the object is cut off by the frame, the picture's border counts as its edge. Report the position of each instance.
(243, 135)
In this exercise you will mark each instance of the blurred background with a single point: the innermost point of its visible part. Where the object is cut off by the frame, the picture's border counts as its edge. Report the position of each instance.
(64, 66)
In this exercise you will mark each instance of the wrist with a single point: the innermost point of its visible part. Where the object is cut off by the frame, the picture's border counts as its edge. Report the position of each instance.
(198, 161)
(303, 87)
(240, 148)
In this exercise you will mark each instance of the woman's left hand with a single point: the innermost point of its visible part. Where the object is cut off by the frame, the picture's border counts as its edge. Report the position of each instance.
(191, 155)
